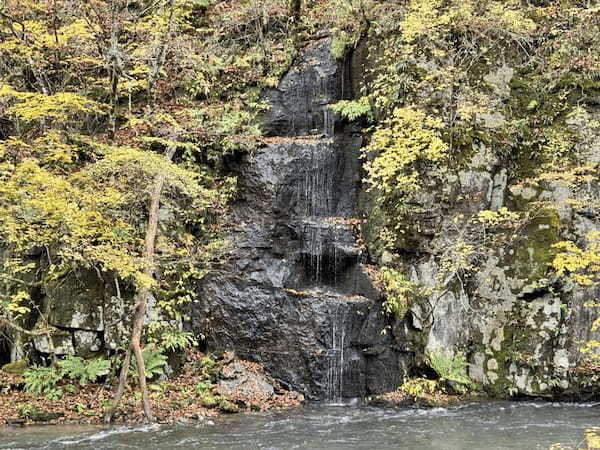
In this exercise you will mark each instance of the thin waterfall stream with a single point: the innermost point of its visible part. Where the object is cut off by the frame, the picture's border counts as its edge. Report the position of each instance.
(320, 252)
(335, 386)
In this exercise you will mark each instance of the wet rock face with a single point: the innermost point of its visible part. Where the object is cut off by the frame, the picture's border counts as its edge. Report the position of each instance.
(294, 295)
(299, 103)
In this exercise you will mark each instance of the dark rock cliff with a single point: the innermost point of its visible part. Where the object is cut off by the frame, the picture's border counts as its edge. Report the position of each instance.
(294, 294)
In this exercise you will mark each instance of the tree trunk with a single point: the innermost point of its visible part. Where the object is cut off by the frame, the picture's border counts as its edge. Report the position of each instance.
(115, 69)
(160, 54)
(295, 7)
(142, 304)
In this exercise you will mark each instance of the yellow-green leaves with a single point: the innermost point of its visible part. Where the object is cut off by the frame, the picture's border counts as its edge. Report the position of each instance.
(29, 106)
(582, 264)
(354, 109)
(404, 154)
(404, 148)
(399, 291)
(14, 303)
(502, 216)
(40, 208)
(423, 18)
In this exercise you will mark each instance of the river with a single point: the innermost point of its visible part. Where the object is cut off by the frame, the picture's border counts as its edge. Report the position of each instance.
(489, 426)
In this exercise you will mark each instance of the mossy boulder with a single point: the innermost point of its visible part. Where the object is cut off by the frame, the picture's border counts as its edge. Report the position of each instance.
(210, 401)
(76, 301)
(520, 348)
(62, 343)
(228, 407)
(530, 256)
(16, 368)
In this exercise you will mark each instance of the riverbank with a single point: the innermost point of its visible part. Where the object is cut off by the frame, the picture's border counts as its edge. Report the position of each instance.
(195, 393)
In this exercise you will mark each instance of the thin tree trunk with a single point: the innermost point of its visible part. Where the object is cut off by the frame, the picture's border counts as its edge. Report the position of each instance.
(160, 55)
(7, 323)
(296, 6)
(115, 69)
(142, 304)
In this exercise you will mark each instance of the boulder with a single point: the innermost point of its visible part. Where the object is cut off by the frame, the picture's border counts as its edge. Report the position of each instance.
(16, 368)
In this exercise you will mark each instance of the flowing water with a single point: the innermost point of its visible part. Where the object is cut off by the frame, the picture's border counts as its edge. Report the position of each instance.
(489, 426)
(335, 379)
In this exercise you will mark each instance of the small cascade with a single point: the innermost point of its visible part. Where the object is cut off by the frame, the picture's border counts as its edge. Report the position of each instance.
(328, 121)
(316, 190)
(314, 250)
(335, 372)
(328, 250)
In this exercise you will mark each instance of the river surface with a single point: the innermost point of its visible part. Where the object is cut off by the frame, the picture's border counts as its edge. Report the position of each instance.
(486, 426)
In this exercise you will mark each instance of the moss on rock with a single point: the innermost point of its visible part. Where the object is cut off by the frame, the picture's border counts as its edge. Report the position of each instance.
(228, 407)
(17, 368)
(210, 401)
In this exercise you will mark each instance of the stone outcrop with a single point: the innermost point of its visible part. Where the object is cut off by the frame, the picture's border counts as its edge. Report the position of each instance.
(80, 306)
(294, 294)
(522, 331)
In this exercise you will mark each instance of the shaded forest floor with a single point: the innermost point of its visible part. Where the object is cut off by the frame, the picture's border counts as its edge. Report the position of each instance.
(234, 386)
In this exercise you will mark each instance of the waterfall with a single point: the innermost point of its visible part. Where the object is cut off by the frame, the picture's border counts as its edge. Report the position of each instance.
(328, 121)
(316, 251)
(295, 253)
(316, 189)
(335, 373)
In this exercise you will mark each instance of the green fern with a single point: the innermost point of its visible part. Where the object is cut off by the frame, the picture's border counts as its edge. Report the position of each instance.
(450, 366)
(41, 380)
(154, 363)
(85, 372)
(173, 340)
(354, 109)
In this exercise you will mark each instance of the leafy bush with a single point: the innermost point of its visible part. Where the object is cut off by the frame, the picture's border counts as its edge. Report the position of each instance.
(400, 292)
(420, 388)
(173, 340)
(340, 45)
(450, 366)
(206, 366)
(353, 109)
(203, 387)
(406, 154)
(85, 372)
(42, 380)
(154, 363)
(27, 410)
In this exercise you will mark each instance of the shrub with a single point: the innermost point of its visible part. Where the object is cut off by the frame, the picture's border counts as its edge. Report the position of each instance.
(354, 109)
(173, 340)
(420, 388)
(400, 292)
(203, 387)
(85, 372)
(42, 380)
(450, 366)
(154, 363)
